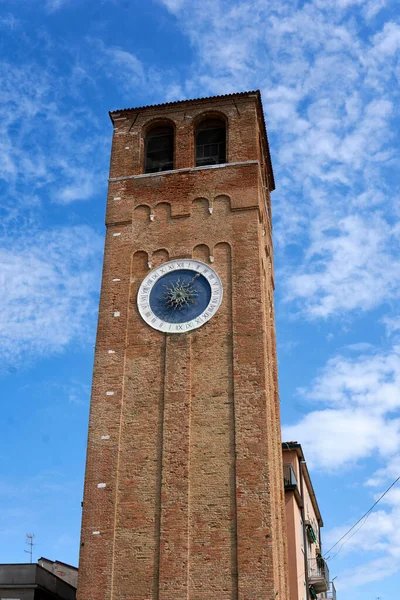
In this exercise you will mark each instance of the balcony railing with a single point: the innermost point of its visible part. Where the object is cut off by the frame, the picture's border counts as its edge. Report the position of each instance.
(289, 477)
(330, 594)
(318, 574)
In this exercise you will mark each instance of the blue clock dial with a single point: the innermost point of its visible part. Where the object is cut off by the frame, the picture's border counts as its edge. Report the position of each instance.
(180, 296)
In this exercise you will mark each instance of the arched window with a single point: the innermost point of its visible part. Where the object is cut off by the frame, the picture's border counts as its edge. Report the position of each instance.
(159, 149)
(210, 142)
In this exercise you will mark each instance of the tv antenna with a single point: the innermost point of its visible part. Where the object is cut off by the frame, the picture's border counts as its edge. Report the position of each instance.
(29, 541)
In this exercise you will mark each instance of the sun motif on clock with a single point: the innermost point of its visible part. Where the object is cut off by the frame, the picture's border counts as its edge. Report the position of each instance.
(180, 293)
(179, 296)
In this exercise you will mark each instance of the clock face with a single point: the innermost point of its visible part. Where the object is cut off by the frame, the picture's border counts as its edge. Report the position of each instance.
(179, 295)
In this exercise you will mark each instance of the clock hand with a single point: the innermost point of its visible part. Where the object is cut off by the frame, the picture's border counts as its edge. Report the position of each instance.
(180, 294)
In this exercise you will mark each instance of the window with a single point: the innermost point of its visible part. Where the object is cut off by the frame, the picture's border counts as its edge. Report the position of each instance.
(159, 150)
(211, 143)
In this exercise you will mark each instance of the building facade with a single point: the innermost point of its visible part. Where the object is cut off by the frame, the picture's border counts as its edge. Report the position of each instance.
(62, 570)
(308, 570)
(34, 582)
(183, 488)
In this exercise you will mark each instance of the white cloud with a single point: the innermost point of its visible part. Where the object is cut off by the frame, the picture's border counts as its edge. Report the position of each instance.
(374, 570)
(329, 97)
(386, 43)
(373, 7)
(376, 539)
(129, 68)
(130, 75)
(173, 5)
(355, 415)
(390, 471)
(38, 136)
(79, 185)
(357, 400)
(369, 535)
(343, 436)
(360, 347)
(47, 280)
(49, 275)
(54, 5)
(392, 324)
(9, 22)
(351, 264)
(53, 150)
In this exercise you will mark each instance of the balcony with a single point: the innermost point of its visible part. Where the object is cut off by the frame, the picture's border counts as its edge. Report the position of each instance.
(318, 575)
(289, 478)
(330, 594)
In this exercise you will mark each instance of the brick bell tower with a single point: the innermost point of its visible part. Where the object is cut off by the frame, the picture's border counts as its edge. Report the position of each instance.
(184, 491)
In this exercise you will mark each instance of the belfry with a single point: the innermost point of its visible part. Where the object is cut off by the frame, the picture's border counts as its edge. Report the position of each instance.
(184, 494)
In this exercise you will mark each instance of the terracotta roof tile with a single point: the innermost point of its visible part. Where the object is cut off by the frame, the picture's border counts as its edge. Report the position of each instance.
(176, 102)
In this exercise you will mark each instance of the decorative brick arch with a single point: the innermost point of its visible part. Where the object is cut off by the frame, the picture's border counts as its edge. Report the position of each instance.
(201, 252)
(201, 203)
(158, 257)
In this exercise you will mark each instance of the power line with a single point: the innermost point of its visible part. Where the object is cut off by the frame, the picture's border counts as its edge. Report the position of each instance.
(363, 517)
(345, 542)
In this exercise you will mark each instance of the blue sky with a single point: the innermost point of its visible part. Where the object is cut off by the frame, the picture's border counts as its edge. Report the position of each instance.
(329, 74)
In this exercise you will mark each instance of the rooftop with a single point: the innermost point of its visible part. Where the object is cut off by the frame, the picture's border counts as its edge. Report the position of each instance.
(190, 100)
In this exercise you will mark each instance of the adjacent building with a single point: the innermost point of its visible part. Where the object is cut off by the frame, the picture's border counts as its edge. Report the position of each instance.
(308, 570)
(64, 571)
(35, 582)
